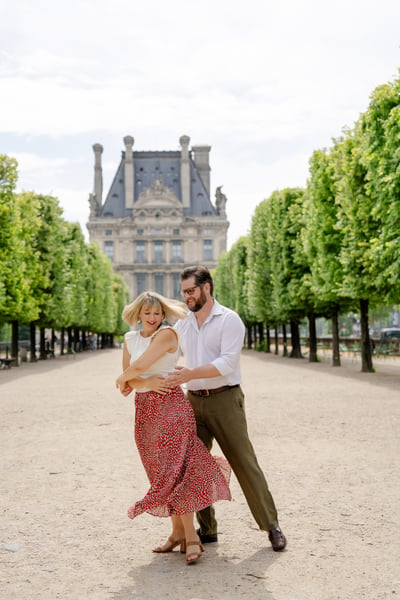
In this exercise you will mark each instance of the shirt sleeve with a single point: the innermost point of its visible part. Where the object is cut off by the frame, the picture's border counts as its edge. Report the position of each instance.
(232, 337)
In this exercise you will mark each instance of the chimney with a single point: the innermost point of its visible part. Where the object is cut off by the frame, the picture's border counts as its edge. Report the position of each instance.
(98, 175)
(202, 161)
(185, 170)
(129, 173)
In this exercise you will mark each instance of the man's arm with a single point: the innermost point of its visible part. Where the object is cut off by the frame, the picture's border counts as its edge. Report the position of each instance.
(232, 337)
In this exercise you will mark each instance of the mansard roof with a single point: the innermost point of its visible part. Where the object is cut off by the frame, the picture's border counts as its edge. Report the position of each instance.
(164, 166)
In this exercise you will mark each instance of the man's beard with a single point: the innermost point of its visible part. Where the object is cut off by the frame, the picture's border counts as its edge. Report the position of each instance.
(199, 303)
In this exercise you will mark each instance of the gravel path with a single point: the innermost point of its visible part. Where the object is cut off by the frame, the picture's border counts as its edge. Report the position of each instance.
(327, 439)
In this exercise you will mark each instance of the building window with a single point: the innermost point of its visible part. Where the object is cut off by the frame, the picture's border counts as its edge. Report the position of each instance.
(175, 232)
(140, 231)
(176, 284)
(158, 231)
(140, 251)
(159, 283)
(158, 251)
(208, 250)
(108, 231)
(206, 231)
(176, 251)
(142, 216)
(109, 250)
(140, 283)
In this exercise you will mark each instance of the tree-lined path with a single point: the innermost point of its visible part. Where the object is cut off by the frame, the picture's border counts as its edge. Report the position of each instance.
(327, 439)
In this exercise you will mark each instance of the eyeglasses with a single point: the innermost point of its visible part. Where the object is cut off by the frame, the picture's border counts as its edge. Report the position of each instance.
(189, 291)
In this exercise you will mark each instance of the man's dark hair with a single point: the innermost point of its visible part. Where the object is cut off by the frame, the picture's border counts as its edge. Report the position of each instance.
(201, 275)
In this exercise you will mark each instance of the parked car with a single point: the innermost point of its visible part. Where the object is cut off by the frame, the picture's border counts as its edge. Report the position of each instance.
(389, 342)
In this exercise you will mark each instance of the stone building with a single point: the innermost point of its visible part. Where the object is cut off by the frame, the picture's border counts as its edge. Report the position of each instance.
(158, 217)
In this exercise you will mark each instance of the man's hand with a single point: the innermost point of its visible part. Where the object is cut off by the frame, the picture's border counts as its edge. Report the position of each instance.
(156, 383)
(179, 376)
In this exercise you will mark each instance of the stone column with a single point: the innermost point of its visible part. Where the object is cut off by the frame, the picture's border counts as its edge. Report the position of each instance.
(98, 175)
(202, 160)
(129, 173)
(185, 170)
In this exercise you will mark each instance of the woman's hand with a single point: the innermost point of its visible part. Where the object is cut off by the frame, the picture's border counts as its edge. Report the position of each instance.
(120, 382)
(125, 388)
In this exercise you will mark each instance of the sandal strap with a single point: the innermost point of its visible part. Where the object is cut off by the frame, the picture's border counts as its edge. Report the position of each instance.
(193, 543)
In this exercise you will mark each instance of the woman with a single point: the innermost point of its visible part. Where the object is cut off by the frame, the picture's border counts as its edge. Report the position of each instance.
(184, 477)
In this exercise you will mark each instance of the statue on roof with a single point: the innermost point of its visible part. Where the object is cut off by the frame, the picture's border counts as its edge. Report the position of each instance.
(220, 201)
(94, 205)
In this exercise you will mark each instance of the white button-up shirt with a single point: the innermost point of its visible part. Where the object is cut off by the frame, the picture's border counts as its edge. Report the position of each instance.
(218, 341)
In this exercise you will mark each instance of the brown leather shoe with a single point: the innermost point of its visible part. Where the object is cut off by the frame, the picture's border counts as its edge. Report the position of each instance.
(207, 539)
(277, 539)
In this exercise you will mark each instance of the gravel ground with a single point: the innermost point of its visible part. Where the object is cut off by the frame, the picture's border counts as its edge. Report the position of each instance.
(327, 439)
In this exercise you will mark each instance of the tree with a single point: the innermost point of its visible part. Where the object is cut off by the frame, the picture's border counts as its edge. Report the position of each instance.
(231, 283)
(18, 223)
(101, 316)
(380, 155)
(360, 225)
(323, 241)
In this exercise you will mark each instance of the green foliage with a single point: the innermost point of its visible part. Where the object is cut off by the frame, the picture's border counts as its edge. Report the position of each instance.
(323, 234)
(17, 229)
(48, 274)
(101, 314)
(121, 299)
(334, 246)
(230, 280)
(380, 156)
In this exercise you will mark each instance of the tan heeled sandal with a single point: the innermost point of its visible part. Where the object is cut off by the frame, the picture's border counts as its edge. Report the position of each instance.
(191, 557)
(172, 544)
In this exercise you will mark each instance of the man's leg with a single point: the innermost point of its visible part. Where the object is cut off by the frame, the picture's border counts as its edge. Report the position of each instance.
(206, 517)
(224, 416)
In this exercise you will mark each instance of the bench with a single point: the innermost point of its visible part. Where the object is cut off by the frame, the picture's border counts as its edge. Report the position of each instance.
(5, 363)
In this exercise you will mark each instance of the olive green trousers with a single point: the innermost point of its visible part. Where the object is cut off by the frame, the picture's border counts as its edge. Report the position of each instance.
(222, 417)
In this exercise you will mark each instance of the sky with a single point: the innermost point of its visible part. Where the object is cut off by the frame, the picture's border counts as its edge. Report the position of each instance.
(263, 83)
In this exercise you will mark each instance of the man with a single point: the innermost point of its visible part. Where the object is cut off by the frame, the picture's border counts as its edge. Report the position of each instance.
(211, 339)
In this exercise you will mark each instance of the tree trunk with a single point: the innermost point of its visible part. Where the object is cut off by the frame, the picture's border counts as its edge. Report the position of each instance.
(53, 342)
(366, 354)
(335, 339)
(312, 333)
(70, 340)
(268, 343)
(296, 346)
(42, 347)
(77, 342)
(62, 341)
(249, 336)
(260, 327)
(32, 331)
(84, 340)
(285, 350)
(14, 341)
(276, 340)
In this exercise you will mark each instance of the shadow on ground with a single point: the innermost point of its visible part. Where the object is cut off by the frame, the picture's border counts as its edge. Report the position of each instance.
(215, 577)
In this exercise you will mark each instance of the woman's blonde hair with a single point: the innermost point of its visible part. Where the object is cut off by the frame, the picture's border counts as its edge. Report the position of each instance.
(172, 310)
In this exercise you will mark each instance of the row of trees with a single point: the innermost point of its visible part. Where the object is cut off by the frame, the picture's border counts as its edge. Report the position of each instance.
(331, 247)
(49, 276)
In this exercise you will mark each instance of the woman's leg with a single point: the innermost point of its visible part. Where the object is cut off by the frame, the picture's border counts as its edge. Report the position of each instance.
(177, 535)
(193, 545)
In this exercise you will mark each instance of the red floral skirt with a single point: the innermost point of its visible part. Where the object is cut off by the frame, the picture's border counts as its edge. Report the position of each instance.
(183, 475)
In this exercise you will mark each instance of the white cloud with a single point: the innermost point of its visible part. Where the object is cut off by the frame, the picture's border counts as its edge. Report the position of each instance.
(263, 83)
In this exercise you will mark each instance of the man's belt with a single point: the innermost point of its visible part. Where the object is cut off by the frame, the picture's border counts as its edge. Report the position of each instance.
(223, 388)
